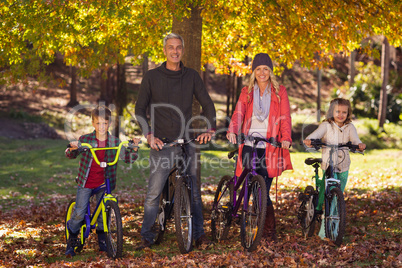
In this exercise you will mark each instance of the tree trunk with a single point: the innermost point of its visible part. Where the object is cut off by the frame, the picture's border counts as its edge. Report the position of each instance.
(382, 111)
(191, 31)
(318, 95)
(145, 66)
(73, 87)
(352, 69)
(120, 96)
(228, 93)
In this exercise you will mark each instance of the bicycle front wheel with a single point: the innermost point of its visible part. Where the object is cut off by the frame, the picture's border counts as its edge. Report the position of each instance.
(253, 216)
(114, 239)
(81, 238)
(222, 209)
(335, 221)
(306, 211)
(183, 216)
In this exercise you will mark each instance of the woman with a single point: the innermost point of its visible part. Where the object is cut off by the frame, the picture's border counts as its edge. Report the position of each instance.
(263, 110)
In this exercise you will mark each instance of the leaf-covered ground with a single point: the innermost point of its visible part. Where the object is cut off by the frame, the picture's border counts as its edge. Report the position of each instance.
(34, 236)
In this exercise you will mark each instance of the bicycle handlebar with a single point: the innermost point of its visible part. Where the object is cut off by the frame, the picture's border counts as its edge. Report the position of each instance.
(256, 140)
(84, 147)
(242, 138)
(317, 144)
(177, 142)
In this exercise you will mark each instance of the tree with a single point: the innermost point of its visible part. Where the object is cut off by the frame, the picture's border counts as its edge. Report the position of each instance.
(382, 110)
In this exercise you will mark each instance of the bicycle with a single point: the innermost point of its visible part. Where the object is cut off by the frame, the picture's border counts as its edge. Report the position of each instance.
(253, 193)
(176, 202)
(107, 207)
(310, 210)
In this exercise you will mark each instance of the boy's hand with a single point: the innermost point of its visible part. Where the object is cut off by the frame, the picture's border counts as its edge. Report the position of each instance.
(73, 145)
(307, 142)
(136, 141)
(362, 147)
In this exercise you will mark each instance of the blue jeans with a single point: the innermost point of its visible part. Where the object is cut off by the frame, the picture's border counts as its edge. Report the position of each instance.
(161, 162)
(81, 203)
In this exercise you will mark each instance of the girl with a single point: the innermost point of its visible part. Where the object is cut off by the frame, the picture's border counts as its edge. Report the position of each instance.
(335, 129)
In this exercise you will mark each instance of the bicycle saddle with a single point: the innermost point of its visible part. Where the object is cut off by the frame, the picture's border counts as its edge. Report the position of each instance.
(312, 161)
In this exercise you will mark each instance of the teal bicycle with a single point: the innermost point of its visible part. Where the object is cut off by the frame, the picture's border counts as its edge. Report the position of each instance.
(310, 211)
(107, 207)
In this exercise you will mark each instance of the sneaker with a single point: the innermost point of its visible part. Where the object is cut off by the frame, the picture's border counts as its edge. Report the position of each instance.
(102, 240)
(72, 242)
(144, 244)
(203, 242)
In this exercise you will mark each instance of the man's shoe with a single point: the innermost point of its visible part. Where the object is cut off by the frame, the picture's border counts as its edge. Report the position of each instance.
(203, 242)
(144, 244)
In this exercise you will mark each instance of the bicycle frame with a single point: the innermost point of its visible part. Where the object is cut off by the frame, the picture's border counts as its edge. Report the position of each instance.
(243, 179)
(91, 219)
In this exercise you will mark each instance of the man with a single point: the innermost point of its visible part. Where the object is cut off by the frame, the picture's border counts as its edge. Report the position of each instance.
(168, 91)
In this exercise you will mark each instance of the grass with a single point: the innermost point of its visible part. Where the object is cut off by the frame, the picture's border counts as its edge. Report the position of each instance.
(37, 170)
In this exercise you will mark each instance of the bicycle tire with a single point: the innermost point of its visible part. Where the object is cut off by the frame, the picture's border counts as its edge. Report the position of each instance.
(221, 215)
(335, 222)
(69, 212)
(183, 216)
(253, 216)
(307, 216)
(114, 240)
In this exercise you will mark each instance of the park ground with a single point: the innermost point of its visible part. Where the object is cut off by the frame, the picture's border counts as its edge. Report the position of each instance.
(37, 181)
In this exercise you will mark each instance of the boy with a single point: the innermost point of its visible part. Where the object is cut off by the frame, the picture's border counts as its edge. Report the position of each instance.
(91, 175)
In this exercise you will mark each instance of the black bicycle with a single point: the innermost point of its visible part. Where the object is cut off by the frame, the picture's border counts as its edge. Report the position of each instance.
(310, 210)
(176, 202)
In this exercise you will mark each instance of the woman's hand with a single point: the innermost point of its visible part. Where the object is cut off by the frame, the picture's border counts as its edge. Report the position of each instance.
(231, 137)
(285, 145)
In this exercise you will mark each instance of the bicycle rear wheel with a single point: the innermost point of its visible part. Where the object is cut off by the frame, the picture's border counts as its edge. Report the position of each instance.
(81, 239)
(183, 216)
(222, 209)
(306, 215)
(114, 239)
(335, 222)
(253, 216)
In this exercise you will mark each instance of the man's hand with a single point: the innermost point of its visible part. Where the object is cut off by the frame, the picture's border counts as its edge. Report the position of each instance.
(154, 142)
(205, 137)
(231, 137)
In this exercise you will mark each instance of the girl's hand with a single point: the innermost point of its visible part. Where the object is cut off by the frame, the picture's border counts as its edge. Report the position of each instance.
(285, 145)
(307, 142)
(362, 146)
(231, 137)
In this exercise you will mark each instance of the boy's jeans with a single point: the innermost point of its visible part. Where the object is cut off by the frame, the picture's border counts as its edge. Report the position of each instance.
(161, 162)
(81, 203)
